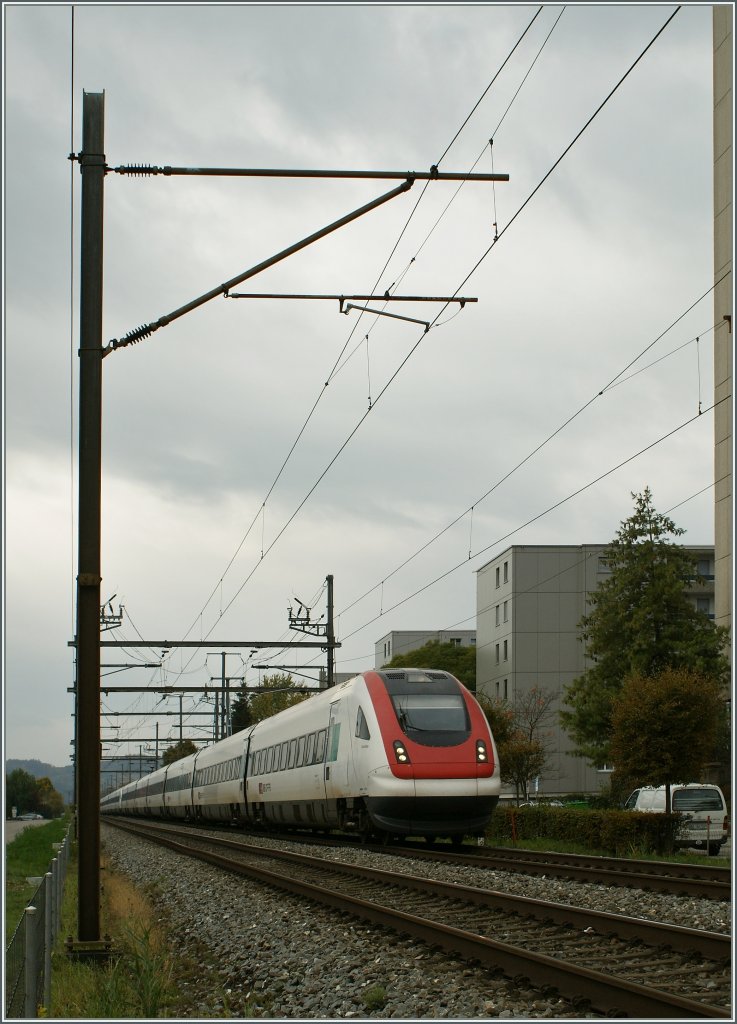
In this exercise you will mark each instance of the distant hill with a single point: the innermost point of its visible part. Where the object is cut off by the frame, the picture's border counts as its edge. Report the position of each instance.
(62, 779)
(112, 774)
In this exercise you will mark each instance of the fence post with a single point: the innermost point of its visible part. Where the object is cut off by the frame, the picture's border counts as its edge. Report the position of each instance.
(55, 865)
(48, 940)
(31, 971)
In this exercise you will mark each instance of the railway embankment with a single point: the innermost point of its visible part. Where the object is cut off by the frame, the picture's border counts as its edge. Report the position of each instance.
(264, 953)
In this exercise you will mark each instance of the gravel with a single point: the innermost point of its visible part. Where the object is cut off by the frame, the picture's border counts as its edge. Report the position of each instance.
(264, 953)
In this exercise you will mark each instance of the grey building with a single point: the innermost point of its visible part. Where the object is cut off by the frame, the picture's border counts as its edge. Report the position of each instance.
(723, 15)
(530, 600)
(402, 641)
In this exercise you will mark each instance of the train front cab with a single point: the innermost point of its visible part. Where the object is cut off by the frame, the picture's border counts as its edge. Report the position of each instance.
(441, 776)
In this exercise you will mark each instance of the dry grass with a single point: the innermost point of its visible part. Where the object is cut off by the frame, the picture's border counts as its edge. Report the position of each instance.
(137, 980)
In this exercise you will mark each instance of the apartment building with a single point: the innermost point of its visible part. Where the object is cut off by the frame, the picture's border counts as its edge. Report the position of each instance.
(402, 641)
(530, 600)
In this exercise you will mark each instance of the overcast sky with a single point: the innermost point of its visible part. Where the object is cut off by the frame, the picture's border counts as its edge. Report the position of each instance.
(199, 418)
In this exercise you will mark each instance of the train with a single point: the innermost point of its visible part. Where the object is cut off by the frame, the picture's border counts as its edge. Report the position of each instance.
(388, 753)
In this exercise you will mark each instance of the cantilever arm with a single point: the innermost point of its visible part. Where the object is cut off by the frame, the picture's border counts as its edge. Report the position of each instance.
(147, 329)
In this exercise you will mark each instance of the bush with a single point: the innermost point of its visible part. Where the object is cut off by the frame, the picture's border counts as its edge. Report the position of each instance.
(613, 832)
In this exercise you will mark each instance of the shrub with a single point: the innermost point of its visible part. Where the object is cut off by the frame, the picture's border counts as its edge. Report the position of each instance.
(611, 831)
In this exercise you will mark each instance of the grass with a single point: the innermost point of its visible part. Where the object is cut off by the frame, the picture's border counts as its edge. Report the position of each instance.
(137, 981)
(141, 979)
(545, 845)
(29, 855)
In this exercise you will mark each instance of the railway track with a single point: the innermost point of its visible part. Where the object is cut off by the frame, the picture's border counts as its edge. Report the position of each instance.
(658, 876)
(605, 962)
(700, 881)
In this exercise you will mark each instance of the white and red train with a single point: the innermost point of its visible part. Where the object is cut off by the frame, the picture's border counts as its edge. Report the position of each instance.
(398, 751)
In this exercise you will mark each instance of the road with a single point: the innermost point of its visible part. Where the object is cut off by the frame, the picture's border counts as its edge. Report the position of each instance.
(12, 828)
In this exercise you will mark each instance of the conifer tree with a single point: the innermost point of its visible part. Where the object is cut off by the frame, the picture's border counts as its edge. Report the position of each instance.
(641, 622)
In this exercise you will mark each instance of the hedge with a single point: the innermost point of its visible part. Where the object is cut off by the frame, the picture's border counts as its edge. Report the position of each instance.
(618, 833)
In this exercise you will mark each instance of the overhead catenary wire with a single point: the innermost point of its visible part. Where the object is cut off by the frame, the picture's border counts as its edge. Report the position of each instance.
(414, 348)
(547, 511)
(615, 381)
(485, 608)
(471, 169)
(336, 364)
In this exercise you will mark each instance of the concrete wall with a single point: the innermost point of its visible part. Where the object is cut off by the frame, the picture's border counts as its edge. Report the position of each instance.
(723, 292)
(404, 640)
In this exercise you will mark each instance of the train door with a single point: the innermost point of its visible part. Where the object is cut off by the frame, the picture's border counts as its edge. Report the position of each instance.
(336, 753)
(244, 778)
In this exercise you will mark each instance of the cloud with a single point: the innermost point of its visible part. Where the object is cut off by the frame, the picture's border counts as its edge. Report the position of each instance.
(199, 419)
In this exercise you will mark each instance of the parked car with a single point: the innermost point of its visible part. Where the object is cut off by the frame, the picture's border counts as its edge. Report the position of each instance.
(705, 822)
(542, 803)
(30, 817)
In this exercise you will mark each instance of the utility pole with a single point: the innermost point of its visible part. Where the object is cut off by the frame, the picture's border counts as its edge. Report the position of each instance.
(330, 634)
(91, 353)
(87, 763)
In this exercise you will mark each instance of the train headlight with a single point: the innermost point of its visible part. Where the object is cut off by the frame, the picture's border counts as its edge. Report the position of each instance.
(400, 752)
(481, 756)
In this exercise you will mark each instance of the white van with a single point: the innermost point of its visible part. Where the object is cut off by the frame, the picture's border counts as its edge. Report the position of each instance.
(704, 809)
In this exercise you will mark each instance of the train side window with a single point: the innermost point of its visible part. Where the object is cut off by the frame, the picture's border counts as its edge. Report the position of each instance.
(292, 753)
(362, 729)
(270, 762)
(301, 751)
(321, 740)
(283, 758)
(310, 755)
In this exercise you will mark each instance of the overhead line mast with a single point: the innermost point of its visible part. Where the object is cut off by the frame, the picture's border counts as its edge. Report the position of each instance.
(93, 168)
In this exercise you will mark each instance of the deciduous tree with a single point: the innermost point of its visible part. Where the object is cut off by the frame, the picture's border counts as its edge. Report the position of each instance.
(521, 736)
(278, 692)
(459, 661)
(21, 791)
(665, 727)
(179, 750)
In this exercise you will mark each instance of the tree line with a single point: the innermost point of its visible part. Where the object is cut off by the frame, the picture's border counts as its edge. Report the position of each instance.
(30, 795)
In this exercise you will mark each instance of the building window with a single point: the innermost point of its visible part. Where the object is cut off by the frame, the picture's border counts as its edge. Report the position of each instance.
(702, 605)
(455, 641)
(506, 615)
(497, 689)
(497, 654)
(497, 615)
(704, 568)
(605, 768)
(506, 572)
(506, 689)
(497, 577)
(506, 657)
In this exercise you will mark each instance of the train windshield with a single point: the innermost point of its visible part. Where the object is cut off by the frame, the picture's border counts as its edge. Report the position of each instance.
(432, 713)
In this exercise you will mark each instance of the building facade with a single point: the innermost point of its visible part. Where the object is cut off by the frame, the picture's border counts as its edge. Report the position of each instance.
(402, 641)
(723, 16)
(530, 601)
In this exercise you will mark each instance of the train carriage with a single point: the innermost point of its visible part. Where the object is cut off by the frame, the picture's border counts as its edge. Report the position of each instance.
(178, 801)
(405, 752)
(218, 783)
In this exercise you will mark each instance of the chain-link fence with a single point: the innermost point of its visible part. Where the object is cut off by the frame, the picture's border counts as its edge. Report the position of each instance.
(28, 955)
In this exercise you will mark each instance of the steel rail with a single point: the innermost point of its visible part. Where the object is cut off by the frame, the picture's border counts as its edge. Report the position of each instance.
(613, 872)
(604, 991)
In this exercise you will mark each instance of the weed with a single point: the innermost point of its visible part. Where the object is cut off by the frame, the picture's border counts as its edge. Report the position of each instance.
(374, 998)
